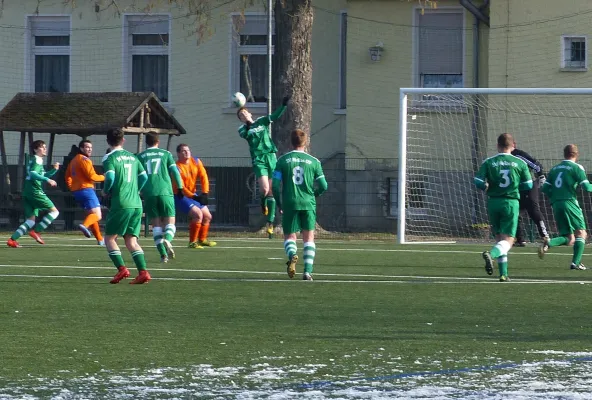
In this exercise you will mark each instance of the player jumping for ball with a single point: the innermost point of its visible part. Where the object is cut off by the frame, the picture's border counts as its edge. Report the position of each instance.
(258, 135)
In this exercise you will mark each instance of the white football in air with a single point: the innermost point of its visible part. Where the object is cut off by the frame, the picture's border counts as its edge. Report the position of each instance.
(239, 99)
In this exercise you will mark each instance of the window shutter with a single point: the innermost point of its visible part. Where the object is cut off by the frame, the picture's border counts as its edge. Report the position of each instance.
(148, 24)
(440, 43)
(50, 26)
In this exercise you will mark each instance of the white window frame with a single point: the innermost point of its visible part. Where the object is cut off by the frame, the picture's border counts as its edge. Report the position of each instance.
(236, 51)
(563, 61)
(416, 76)
(31, 50)
(342, 92)
(129, 50)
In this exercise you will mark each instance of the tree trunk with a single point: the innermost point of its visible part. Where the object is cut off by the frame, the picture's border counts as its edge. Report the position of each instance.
(293, 68)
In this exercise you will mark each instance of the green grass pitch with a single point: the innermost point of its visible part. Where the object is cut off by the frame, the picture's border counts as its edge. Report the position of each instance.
(379, 321)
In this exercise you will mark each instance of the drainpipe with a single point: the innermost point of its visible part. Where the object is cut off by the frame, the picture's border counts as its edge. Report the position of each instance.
(476, 131)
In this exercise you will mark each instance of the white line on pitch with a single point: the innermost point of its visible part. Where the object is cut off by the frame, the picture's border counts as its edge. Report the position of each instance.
(217, 271)
(321, 249)
(263, 280)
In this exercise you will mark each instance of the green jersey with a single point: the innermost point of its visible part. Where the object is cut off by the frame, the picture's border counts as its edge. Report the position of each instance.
(159, 166)
(506, 175)
(563, 180)
(298, 172)
(258, 135)
(122, 173)
(35, 176)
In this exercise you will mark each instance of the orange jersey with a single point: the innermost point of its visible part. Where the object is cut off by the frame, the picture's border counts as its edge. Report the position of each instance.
(191, 171)
(81, 174)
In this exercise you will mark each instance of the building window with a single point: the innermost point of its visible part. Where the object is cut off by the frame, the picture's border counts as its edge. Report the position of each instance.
(574, 52)
(249, 57)
(147, 54)
(342, 60)
(439, 49)
(49, 63)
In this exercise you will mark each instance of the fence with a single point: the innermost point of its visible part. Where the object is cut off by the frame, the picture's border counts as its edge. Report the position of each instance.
(359, 199)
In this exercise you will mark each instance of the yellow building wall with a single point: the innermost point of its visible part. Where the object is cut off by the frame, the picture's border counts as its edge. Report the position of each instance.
(525, 51)
(373, 87)
(199, 73)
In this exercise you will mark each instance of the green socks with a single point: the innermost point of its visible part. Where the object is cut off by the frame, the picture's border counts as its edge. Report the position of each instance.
(169, 232)
(578, 250)
(290, 248)
(115, 256)
(46, 221)
(158, 241)
(139, 260)
(558, 241)
(270, 203)
(25, 226)
(502, 265)
(309, 256)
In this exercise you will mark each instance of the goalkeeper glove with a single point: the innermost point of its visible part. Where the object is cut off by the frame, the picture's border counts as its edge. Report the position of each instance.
(285, 100)
(201, 199)
(179, 194)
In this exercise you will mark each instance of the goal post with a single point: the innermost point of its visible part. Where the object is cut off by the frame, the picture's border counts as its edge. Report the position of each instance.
(446, 133)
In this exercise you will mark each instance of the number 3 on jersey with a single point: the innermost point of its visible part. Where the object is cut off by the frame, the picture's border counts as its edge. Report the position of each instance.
(298, 175)
(506, 178)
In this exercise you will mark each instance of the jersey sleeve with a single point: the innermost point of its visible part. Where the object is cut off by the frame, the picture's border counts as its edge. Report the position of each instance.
(525, 178)
(174, 172)
(89, 171)
(582, 179)
(68, 175)
(480, 179)
(203, 177)
(242, 131)
(320, 180)
(142, 176)
(109, 172)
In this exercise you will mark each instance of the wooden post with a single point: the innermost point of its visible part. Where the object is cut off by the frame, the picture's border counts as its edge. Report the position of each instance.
(169, 142)
(21, 161)
(50, 149)
(141, 135)
(30, 140)
(5, 172)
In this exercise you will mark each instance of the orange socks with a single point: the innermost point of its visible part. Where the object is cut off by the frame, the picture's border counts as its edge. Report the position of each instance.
(96, 230)
(194, 229)
(90, 219)
(203, 233)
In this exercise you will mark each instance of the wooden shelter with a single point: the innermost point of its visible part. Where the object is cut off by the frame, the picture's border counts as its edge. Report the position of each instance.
(83, 114)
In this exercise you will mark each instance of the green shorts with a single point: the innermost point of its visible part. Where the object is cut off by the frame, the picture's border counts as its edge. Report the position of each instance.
(35, 203)
(126, 221)
(503, 215)
(298, 220)
(568, 216)
(264, 165)
(159, 206)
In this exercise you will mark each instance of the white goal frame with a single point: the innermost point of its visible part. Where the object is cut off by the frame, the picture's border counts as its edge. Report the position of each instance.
(403, 105)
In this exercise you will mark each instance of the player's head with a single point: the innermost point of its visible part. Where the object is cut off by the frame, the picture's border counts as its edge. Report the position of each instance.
(152, 139)
(570, 152)
(505, 143)
(115, 137)
(39, 148)
(298, 138)
(244, 115)
(183, 152)
(85, 147)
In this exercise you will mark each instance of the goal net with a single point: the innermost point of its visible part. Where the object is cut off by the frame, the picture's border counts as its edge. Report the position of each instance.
(445, 134)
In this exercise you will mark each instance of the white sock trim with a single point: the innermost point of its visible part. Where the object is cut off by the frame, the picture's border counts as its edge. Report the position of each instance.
(54, 214)
(29, 223)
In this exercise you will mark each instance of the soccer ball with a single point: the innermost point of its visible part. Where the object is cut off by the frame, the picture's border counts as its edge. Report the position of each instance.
(239, 99)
